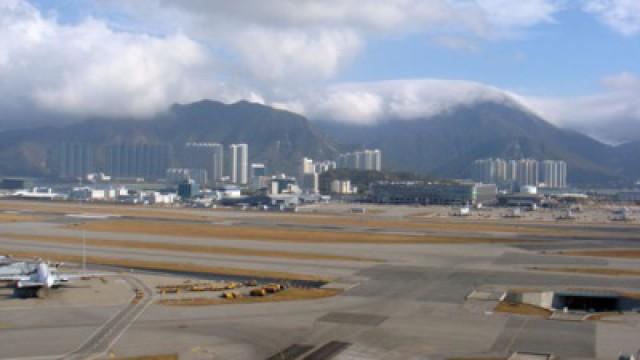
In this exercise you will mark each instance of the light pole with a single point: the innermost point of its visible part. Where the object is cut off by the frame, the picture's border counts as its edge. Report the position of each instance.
(84, 253)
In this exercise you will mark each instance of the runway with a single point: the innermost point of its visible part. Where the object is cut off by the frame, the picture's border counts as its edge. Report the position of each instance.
(408, 302)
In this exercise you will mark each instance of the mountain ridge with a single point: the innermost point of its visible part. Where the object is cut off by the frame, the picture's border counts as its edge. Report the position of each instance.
(442, 145)
(447, 143)
(276, 137)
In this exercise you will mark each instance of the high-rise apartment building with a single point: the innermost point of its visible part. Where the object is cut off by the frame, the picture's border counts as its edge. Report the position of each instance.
(207, 156)
(524, 172)
(361, 160)
(554, 173)
(149, 161)
(71, 160)
(483, 171)
(527, 172)
(512, 171)
(257, 170)
(370, 160)
(239, 163)
(324, 166)
(490, 171)
(258, 176)
(308, 178)
(307, 166)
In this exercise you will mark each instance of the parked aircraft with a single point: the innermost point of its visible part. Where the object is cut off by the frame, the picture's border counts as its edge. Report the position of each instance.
(35, 279)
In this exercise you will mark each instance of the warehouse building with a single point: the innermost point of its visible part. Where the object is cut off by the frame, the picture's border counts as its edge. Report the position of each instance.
(433, 193)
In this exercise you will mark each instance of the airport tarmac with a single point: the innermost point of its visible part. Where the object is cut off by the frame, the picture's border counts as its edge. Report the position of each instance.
(400, 300)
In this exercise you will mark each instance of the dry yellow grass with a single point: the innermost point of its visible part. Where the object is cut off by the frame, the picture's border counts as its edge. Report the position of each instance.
(442, 225)
(187, 248)
(4, 325)
(55, 207)
(365, 220)
(403, 224)
(18, 218)
(615, 253)
(290, 294)
(166, 266)
(603, 316)
(270, 234)
(522, 309)
(591, 271)
(631, 294)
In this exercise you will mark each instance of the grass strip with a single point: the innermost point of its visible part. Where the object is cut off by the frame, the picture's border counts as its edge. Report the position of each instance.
(166, 266)
(290, 294)
(178, 247)
(271, 234)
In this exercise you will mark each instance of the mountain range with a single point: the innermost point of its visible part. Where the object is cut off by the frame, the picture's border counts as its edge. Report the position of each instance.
(446, 144)
(443, 145)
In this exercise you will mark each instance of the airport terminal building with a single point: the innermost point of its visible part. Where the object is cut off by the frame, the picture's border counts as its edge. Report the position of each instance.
(433, 193)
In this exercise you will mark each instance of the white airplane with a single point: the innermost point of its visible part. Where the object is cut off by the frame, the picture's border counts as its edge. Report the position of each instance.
(35, 279)
(5, 260)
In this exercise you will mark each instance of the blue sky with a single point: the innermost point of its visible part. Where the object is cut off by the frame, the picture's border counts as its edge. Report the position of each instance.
(564, 57)
(575, 62)
(568, 57)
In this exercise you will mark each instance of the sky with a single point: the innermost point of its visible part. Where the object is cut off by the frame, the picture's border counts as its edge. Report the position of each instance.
(574, 62)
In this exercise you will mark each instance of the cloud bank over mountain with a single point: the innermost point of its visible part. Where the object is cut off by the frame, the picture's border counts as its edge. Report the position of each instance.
(370, 103)
(286, 53)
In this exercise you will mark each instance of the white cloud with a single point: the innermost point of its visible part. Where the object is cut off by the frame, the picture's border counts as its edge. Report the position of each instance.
(282, 52)
(262, 49)
(370, 102)
(622, 16)
(87, 68)
(291, 41)
(613, 115)
(363, 15)
(295, 55)
(622, 82)
(509, 13)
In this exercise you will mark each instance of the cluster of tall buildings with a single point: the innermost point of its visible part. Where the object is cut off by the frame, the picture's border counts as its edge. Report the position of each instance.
(205, 156)
(71, 160)
(201, 161)
(204, 163)
(361, 160)
(309, 177)
(210, 157)
(523, 172)
(148, 161)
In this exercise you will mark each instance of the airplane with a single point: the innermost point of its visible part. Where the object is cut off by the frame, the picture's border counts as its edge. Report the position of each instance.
(6, 260)
(36, 279)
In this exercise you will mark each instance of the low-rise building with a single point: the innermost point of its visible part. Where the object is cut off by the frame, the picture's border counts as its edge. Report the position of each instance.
(283, 184)
(188, 189)
(310, 182)
(628, 196)
(179, 175)
(97, 193)
(343, 187)
(38, 193)
(161, 198)
(228, 192)
(418, 192)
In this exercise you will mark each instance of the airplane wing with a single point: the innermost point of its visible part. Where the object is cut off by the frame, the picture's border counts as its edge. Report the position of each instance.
(64, 277)
(28, 283)
(14, 277)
